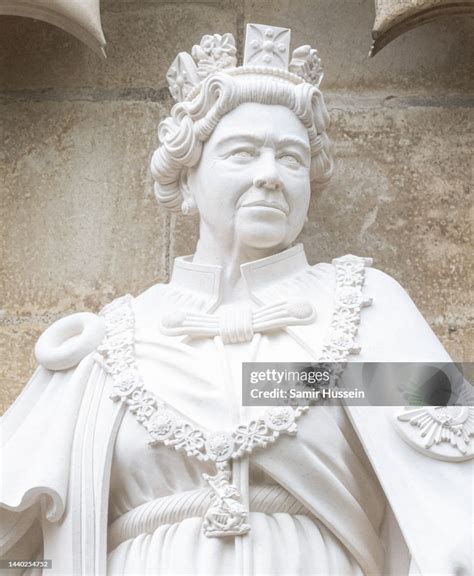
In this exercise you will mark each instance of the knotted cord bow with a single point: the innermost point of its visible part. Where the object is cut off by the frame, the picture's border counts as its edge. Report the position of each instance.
(237, 322)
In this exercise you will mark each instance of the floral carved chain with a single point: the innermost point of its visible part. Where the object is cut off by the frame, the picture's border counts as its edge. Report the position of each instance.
(226, 515)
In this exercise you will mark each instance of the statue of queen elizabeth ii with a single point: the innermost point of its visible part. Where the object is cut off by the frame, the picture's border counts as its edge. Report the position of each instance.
(130, 450)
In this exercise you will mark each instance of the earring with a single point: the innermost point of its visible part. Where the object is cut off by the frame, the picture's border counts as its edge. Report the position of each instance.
(187, 207)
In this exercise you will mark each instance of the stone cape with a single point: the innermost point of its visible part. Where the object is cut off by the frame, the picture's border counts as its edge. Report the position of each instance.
(65, 427)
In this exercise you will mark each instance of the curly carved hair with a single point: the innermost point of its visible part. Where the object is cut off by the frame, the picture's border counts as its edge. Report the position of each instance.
(183, 134)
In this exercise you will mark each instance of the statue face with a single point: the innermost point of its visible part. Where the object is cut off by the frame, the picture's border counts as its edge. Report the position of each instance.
(252, 184)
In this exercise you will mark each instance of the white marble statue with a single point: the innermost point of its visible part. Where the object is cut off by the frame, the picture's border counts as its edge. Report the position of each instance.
(129, 452)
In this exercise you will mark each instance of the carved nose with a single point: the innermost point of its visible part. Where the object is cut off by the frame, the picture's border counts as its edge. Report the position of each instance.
(271, 182)
(267, 176)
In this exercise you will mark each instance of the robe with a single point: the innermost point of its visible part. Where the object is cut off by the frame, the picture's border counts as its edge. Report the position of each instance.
(60, 436)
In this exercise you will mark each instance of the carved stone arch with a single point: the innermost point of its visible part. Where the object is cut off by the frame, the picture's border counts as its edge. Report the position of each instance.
(395, 17)
(81, 18)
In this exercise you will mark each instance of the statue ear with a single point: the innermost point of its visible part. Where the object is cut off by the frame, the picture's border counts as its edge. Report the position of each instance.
(189, 203)
(184, 186)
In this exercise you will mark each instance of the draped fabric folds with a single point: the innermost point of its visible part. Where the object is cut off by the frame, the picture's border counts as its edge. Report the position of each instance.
(89, 483)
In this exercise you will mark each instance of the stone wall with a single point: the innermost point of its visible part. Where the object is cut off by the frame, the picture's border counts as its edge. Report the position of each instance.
(79, 224)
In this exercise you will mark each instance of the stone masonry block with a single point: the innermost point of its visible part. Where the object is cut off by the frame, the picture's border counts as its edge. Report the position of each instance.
(80, 223)
(143, 38)
(432, 57)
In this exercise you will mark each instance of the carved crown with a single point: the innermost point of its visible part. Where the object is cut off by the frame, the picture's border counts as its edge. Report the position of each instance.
(267, 51)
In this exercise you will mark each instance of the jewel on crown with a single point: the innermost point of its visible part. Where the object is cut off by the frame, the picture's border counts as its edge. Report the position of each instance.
(267, 51)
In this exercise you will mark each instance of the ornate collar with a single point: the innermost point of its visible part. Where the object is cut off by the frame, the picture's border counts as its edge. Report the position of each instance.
(194, 296)
(205, 280)
(226, 516)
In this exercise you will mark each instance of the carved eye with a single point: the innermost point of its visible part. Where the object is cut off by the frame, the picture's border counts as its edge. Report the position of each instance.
(292, 159)
(243, 153)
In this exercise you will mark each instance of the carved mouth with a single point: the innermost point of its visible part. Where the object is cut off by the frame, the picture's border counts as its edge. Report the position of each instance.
(266, 204)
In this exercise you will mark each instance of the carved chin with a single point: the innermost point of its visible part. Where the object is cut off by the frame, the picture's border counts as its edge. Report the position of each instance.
(262, 234)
